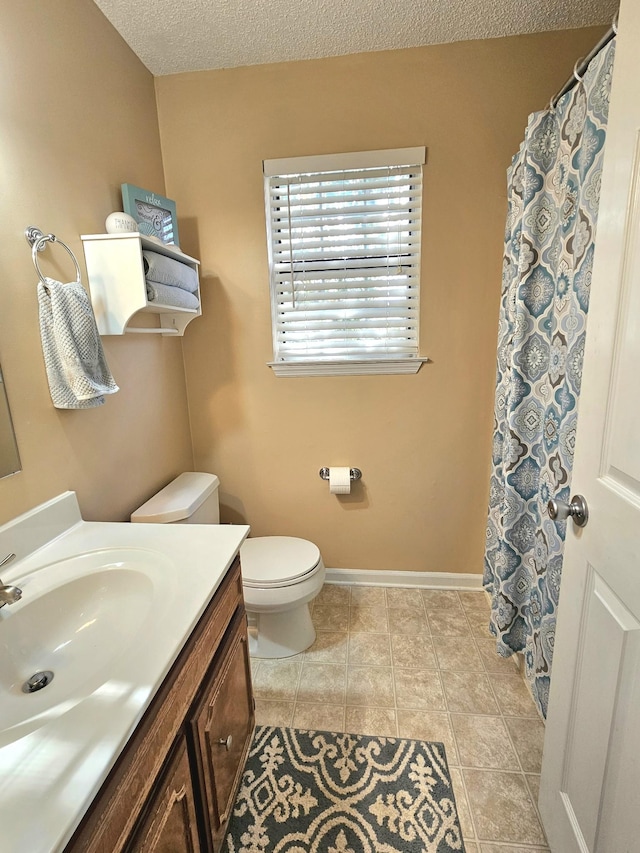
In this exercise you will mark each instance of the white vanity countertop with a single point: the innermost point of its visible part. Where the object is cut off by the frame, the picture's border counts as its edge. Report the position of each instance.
(49, 777)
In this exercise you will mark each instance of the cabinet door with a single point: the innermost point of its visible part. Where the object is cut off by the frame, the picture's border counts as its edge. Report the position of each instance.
(221, 728)
(168, 823)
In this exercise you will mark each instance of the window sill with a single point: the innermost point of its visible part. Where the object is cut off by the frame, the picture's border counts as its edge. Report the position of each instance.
(380, 367)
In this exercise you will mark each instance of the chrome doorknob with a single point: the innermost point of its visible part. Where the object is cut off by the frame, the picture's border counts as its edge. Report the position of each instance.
(577, 510)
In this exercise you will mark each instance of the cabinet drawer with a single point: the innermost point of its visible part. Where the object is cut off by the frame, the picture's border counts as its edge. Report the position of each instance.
(219, 730)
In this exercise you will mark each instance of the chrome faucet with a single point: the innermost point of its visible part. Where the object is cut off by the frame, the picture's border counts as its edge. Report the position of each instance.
(8, 594)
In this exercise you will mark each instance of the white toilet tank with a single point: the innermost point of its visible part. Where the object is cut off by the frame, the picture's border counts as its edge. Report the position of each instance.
(192, 498)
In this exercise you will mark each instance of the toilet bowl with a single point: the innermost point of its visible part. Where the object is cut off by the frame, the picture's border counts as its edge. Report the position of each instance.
(280, 574)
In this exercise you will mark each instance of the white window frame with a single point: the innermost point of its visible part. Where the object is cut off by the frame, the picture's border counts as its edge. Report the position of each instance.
(350, 364)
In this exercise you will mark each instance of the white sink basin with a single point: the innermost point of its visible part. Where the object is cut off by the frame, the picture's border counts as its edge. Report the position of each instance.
(107, 607)
(77, 618)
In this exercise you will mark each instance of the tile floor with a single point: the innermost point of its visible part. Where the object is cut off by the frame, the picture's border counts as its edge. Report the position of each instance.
(421, 664)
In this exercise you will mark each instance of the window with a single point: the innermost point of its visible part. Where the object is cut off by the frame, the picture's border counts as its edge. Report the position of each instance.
(344, 258)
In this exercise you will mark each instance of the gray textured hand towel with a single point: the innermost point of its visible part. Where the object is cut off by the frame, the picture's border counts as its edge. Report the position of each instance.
(77, 369)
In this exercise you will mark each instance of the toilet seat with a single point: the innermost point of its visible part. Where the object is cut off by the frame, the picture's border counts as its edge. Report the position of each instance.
(269, 562)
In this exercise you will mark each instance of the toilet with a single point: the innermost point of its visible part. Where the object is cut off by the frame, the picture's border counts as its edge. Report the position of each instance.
(280, 574)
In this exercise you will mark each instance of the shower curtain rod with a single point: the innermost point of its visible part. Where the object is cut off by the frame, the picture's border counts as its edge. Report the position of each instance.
(582, 64)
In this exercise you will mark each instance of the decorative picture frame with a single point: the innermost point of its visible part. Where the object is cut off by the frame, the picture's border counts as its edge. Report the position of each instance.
(155, 214)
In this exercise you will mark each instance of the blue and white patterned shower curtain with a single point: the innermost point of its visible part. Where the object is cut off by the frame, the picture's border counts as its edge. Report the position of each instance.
(553, 194)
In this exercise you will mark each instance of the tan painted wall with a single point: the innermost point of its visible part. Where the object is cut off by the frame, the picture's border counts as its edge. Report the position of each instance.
(422, 442)
(77, 118)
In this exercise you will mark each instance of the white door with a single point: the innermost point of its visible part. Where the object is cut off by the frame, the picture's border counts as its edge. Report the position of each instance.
(590, 786)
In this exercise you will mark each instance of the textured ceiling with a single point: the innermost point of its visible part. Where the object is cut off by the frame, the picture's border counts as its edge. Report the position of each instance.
(172, 36)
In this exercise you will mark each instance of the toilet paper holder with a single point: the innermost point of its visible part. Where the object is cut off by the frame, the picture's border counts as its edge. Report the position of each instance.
(354, 473)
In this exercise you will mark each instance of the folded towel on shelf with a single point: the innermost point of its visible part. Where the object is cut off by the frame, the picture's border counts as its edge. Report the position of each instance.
(76, 366)
(164, 270)
(165, 294)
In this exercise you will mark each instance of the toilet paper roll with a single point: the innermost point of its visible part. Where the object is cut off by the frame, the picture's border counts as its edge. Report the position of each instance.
(340, 481)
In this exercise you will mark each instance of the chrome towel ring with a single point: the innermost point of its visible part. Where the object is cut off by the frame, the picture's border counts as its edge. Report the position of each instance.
(37, 240)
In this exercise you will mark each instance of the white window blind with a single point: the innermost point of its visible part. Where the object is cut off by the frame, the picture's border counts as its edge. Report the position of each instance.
(345, 257)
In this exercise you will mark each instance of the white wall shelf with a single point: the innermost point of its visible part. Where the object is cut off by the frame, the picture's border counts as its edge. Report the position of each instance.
(117, 283)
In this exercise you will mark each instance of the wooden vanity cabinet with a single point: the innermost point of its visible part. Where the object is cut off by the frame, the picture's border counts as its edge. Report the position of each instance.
(172, 788)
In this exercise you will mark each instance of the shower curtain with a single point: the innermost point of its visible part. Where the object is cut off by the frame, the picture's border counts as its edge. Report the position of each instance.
(553, 193)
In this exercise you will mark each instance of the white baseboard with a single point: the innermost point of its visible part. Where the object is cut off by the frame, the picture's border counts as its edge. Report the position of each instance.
(417, 580)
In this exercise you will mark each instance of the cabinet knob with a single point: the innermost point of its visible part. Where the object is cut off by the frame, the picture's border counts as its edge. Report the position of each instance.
(226, 742)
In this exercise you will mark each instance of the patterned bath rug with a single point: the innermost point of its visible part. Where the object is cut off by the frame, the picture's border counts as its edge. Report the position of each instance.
(322, 792)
